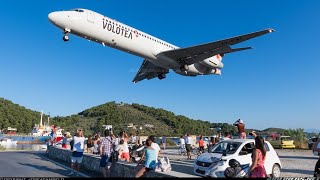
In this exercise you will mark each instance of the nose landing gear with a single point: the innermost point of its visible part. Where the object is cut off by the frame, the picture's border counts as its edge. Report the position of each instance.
(65, 38)
(66, 31)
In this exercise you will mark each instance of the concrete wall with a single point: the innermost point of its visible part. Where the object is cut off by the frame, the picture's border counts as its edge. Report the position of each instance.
(120, 169)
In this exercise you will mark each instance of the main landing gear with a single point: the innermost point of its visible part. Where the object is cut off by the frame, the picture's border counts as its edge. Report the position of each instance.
(66, 31)
(161, 76)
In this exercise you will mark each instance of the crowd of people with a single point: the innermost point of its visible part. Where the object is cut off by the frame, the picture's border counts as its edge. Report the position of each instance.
(112, 147)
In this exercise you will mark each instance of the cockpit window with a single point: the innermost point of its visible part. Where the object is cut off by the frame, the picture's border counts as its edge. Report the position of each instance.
(78, 10)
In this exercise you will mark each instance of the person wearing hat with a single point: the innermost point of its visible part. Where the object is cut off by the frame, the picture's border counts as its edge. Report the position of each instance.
(241, 130)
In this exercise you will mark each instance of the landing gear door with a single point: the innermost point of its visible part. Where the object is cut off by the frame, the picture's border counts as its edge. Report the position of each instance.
(90, 16)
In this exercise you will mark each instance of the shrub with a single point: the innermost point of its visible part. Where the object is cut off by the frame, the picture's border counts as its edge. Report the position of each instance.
(298, 136)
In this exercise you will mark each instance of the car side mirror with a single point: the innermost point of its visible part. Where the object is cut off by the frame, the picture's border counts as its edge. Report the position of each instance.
(243, 153)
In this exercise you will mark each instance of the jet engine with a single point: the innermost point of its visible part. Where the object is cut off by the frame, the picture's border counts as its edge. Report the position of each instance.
(213, 62)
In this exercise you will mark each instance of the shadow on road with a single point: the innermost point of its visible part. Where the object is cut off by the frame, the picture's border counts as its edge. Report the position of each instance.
(44, 168)
(298, 171)
(298, 157)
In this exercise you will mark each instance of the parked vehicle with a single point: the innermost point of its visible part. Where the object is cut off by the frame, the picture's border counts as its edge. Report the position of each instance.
(283, 142)
(239, 149)
(312, 141)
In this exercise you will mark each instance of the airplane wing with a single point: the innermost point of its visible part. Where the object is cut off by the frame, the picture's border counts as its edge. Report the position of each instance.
(191, 55)
(148, 71)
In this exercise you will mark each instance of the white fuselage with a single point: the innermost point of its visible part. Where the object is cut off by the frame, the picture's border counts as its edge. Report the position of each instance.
(109, 32)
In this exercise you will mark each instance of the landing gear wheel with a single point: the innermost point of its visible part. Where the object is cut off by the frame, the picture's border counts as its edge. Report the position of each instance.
(65, 38)
(161, 76)
(184, 68)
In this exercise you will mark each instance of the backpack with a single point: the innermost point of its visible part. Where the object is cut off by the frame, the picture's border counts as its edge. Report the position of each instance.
(165, 164)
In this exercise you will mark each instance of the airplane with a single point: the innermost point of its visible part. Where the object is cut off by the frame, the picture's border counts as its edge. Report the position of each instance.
(159, 56)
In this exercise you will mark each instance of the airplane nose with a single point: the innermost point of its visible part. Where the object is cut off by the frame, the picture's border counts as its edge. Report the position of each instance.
(53, 17)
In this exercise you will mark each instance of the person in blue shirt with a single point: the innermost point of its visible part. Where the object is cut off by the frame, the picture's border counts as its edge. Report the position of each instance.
(149, 157)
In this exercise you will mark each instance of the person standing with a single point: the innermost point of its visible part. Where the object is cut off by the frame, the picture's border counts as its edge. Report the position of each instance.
(188, 146)
(257, 169)
(106, 148)
(125, 150)
(211, 143)
(77, 154)
(241, 130)
(226, 136)
(316, 149)
(201, 145)
(182, 145)
(96, 143)
(164, 141)
(64, 141)
(90, 145)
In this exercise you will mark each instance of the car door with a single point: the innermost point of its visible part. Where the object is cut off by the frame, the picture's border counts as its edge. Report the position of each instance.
(245, 153)
(269, 161)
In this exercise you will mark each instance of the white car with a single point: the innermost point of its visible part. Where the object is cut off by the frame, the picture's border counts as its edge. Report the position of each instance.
(238, 149)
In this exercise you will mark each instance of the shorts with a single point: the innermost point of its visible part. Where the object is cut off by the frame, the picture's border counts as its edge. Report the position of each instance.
(201, 148)
(125, 155)
(76, 159)
(188, 147)
(105, 161)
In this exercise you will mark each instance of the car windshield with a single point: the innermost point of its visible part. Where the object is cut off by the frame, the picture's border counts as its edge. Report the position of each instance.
(286, 138)
(228, 146)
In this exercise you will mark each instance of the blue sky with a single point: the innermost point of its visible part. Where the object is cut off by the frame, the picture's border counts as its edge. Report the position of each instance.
(276, 84)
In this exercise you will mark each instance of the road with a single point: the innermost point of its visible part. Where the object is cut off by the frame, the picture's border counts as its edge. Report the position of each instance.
(295, 163)
(29, 164)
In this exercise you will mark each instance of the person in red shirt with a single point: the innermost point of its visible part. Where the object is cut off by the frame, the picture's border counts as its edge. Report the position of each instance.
(201, 144)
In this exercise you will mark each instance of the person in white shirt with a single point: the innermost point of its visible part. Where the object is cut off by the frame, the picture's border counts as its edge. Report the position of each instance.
(155, 146)
(182, 145)
(77, 154)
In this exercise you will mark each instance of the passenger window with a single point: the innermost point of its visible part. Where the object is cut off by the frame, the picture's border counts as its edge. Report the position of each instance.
(267, 147)
(247, 149)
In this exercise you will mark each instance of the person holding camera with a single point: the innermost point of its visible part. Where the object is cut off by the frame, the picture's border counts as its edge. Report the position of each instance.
(241, 130)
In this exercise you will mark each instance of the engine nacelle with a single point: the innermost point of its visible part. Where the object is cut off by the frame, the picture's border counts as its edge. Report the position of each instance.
(199, 69)
(213, 62)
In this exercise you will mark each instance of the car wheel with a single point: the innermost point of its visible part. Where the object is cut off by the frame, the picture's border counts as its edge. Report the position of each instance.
(275, 171)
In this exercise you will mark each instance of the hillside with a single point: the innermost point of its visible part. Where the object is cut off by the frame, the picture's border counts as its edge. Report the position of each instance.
(14, 115)
(155, 121)
(152, 120)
